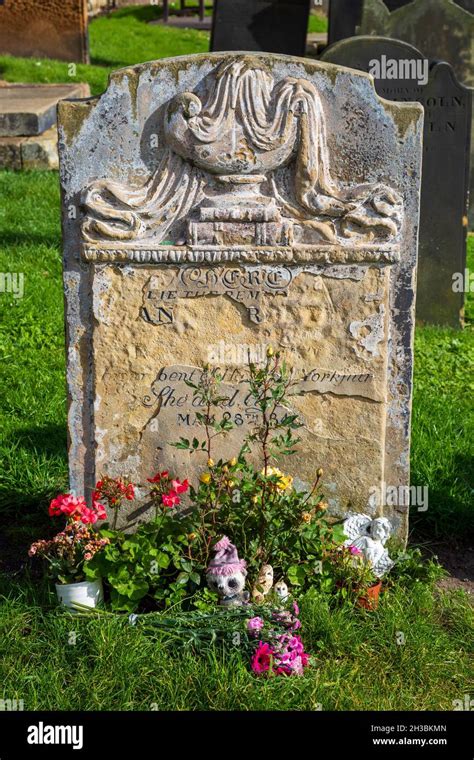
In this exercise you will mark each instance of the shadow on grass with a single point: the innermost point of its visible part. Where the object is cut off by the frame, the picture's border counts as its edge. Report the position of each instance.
(31, 238)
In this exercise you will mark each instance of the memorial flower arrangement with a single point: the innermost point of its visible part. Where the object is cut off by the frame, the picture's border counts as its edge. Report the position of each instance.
(69, 551)
(352, 576)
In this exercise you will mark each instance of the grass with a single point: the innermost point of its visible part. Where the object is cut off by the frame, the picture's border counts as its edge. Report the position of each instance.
(358, 663)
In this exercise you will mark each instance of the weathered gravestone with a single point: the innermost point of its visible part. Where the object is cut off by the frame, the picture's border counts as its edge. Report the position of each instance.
(220, 201)
(441, 29)
(345, 16)
(401, 73)
(274, 26)
(45, 28)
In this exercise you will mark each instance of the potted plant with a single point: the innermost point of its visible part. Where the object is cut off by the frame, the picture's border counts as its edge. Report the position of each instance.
(69, 551)
(353, 576)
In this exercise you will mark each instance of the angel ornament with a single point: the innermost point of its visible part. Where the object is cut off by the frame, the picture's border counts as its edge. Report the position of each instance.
(370, 536)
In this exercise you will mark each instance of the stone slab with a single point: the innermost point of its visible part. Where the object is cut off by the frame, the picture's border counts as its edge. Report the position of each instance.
(31, 109)
(446, 156)
(45, 29)
(36, 152)
(224, 202)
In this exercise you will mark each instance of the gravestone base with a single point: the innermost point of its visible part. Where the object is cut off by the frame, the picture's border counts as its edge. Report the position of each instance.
(36, 152)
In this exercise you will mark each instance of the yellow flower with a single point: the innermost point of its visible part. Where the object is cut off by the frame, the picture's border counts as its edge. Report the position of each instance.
(231, 483)
(192, 536)
(233, 461)
(205, 477)
(306, 517)
(210, 462)
(284, 481)
(322, 506)
(320, 472)
(255, 499)
(270, 351)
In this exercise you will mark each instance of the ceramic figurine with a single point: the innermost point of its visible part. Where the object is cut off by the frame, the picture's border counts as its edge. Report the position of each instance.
(226, 574)
(370, 535)
(281, 590)
(263, 585)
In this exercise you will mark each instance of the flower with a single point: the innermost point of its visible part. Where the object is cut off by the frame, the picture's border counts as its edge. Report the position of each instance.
(205, 477)
(306, 517)
(159, 476)
(180, 487)
(322, 506)
(354, 550)
(210, 462)
(263, 658)
(233, 461)
(254, 624)
(283, 482)
(170, 499)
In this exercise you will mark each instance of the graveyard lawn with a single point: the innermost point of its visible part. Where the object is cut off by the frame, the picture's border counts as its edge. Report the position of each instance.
(119, 39)
(409, 655)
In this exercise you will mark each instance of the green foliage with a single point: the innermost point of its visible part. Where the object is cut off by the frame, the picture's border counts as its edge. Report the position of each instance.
(151, 565)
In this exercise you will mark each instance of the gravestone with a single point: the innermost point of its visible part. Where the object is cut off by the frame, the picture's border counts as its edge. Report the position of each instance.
(401, 73)
(274, 26)
(218, 203)
(345, 16)
(441, 29)
(45, 29)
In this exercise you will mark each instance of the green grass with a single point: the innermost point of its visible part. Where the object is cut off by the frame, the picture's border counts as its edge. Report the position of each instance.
(358, 663)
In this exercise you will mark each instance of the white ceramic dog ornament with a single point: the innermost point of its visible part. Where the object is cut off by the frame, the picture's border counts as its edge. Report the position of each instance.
(370, 535)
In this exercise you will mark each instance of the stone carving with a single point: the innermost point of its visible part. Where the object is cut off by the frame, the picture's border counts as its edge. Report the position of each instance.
(218, 173)
(226, 574)
(241, 285)
(370, 535)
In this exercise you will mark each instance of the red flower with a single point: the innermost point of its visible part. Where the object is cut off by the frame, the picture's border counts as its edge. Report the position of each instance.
(159, 476)
(180, 487)
(170, 499)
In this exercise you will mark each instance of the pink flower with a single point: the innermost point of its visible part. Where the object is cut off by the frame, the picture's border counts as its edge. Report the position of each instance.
(296, 609)
(180, 487)
(354, 550)
(262, 658)
(254, 625)
(159, 476)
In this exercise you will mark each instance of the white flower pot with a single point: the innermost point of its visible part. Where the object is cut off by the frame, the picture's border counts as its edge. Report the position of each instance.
(86, 593)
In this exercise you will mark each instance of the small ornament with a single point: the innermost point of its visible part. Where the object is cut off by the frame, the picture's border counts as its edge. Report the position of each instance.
(370, 535)
(263, 585)
(281, 590)
(226, 574)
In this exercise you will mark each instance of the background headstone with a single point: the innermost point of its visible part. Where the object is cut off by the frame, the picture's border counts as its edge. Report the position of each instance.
(41, 28)
(345, 16)
(440, 29)
(275, 26)
(218, 203)
(444, 190)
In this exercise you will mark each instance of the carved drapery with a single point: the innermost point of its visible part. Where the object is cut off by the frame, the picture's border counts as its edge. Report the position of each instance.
(220, 153)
